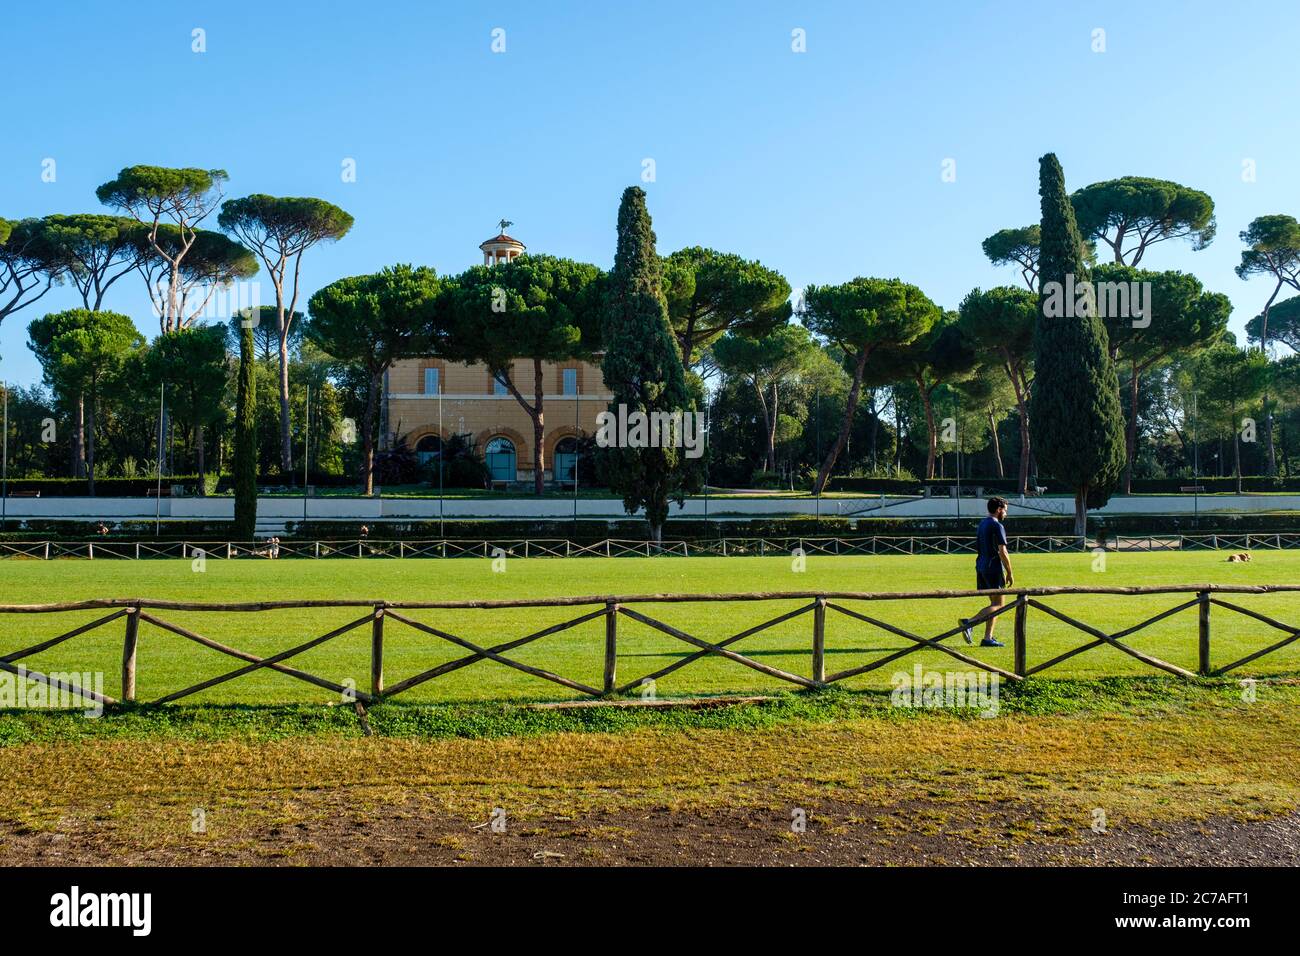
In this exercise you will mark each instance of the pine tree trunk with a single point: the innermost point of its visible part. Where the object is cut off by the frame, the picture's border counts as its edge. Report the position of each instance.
(201, 456)
(931, 434)
(90, 444)
(771, 430)
(997, 445)
(245, 465)
(1022, 409)
(539, 430)
(855, 391)
(79, 439)
(367, 468)
(286, 443)
(1130, 438)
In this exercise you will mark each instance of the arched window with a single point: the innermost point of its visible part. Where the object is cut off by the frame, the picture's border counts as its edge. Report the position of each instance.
(500, 458)
(566, 459)
(428, 449)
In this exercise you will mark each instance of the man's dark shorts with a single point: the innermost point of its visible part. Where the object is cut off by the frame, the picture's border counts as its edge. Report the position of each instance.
(989, 580)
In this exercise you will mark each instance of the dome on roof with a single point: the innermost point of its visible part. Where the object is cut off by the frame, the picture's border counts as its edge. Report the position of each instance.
(501, 247)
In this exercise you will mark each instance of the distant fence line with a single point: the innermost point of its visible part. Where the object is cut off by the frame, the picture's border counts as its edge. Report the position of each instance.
(625, 548)
(613, 608)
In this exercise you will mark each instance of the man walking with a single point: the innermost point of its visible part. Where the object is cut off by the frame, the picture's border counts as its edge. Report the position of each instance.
(990, 562)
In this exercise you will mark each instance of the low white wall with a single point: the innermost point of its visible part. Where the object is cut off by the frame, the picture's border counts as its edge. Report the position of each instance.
(373, 509)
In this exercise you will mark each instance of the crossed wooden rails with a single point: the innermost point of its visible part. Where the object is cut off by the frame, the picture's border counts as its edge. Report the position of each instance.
(619, 548)
(611, 608)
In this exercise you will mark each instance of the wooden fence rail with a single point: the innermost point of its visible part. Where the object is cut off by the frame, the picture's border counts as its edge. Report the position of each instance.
(612, 608)
(110, 549)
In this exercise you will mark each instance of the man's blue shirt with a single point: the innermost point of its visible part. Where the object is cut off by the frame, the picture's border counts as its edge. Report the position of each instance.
(988, 536)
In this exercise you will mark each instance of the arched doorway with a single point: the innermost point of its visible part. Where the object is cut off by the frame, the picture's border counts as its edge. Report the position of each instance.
(500, 459)
(566, 459)
(428, 449)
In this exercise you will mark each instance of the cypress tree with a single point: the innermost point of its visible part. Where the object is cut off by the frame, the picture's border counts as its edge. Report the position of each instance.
(642, 366)
(245, 465)
(1074, 412)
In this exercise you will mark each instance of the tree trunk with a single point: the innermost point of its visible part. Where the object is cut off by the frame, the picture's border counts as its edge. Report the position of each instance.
(771, 429)
(875, 430)
(997, 445)
(90, 443)
(1236, 452)
(1081, 512)
(1022, 409)
(201, 460)
(79, 438)
(367, 467)
(898, 436)
(286, 444)
(1130, 437)
(855, 391)
(539, 429)
(931, 434)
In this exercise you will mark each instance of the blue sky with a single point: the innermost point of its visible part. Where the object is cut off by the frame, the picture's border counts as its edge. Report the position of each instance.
(824, 165)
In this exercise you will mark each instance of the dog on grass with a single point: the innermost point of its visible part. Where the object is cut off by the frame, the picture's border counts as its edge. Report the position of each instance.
(1235, 558)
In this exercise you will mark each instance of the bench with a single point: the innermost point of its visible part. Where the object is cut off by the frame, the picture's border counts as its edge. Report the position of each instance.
(24, 494)
(164, 492)
(1189, 489)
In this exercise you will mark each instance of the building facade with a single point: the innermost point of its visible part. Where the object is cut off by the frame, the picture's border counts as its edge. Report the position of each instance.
(428, 400)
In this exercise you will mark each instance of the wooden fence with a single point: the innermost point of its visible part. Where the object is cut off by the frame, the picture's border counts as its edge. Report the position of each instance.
(377, 614)
(109, 549)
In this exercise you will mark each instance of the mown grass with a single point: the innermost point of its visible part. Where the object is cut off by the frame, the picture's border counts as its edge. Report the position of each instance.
(261, 723)
(167, 663)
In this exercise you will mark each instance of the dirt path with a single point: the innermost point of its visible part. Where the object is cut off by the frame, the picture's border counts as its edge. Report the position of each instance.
(836, 833)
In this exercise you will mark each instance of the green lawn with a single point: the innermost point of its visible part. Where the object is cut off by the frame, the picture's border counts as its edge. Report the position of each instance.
(167, 662)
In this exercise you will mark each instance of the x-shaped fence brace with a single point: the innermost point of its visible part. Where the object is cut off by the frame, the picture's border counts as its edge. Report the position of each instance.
(612, 608)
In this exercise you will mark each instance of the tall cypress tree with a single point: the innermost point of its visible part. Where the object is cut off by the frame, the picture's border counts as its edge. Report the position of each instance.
(643, 368)
(1074, 412)
(245, 465)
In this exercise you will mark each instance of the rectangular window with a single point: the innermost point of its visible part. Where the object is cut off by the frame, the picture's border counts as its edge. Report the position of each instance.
(431, 383)
(498, 386)
(570, 381)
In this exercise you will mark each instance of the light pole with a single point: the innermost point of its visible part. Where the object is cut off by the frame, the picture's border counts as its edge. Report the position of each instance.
(442, 451)
(4, 469)
(306, 450)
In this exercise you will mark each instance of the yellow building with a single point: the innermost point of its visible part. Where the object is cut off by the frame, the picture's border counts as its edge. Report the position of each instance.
(474, 403)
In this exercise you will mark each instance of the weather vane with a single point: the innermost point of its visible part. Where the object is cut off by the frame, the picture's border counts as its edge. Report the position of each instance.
(505, 224)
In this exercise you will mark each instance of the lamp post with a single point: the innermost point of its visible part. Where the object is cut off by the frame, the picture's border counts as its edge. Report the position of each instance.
(306, 450)
(442, 449)
(4, 469)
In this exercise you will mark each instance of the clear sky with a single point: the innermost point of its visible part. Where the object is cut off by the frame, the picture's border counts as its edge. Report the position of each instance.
(824, 164)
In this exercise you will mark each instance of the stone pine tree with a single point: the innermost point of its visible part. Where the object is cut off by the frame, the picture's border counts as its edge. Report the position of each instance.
(246, 438)
(643, 369)
(1075, 417)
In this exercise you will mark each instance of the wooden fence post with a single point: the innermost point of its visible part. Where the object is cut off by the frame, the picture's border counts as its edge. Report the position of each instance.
(377, 652)
(819, 642)
(1203, 644)
(1021, 648)
(611, 648)
(128, 653)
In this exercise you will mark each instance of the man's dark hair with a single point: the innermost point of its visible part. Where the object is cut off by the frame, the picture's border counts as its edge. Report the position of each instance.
(995, 503)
